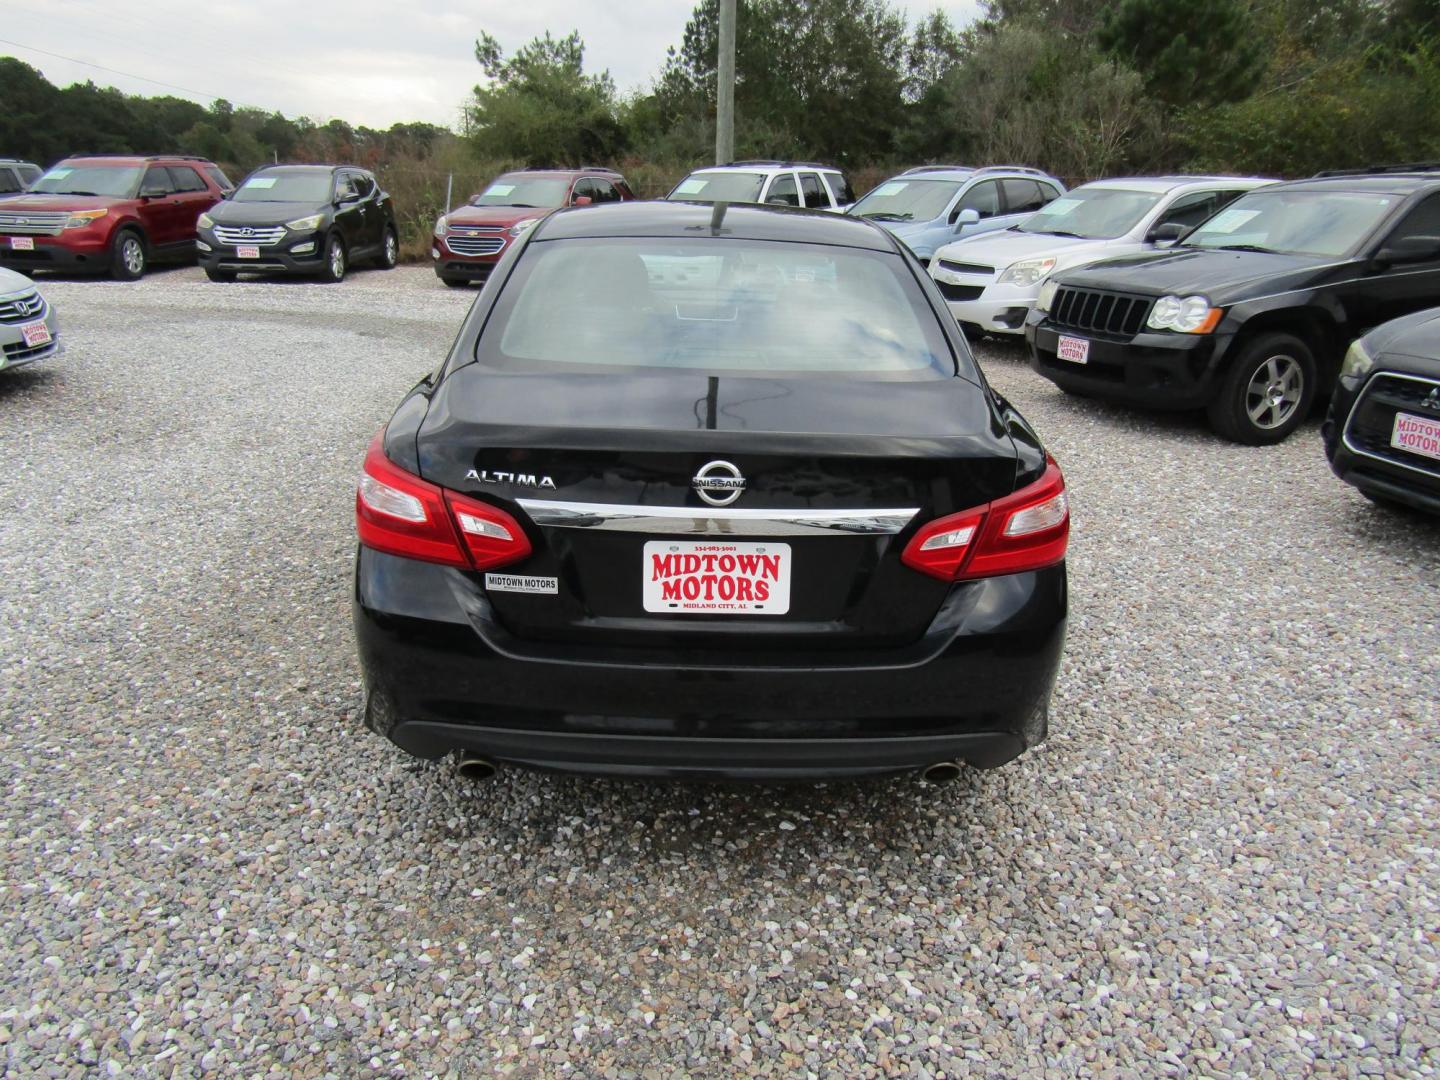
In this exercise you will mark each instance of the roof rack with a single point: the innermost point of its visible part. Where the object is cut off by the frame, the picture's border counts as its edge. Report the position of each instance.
(1371, 170)
(776, 164)
(145, 157)
(598, 168)
(1025, 169)
(937, 168)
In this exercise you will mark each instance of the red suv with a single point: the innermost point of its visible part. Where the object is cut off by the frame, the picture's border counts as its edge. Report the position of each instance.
(470, 240)
(109, 214)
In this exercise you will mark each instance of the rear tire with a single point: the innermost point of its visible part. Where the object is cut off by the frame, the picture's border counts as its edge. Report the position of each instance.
(333, 269)
(454, 282)
(1266, 392)
(389, 250)
(219, 275)
(127, 256)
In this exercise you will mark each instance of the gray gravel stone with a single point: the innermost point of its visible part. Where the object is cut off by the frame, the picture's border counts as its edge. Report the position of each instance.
(1223, 862)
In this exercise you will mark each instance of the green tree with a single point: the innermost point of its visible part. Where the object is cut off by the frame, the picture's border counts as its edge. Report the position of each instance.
(1189, 51)
(540, 106)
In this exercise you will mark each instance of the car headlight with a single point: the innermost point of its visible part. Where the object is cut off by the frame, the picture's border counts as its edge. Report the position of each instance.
(1047, 296)
(1026, 271)
(519, 228)
(305, 224)
(1185, 314)
(80, 218)
(441, 226)
(204, 221)
(1358, 360)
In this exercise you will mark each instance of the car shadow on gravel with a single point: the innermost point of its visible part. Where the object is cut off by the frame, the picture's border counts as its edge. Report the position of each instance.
(28, 380)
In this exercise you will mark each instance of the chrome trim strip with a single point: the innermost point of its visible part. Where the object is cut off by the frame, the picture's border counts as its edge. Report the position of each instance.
(714, 521)
(1354, 408)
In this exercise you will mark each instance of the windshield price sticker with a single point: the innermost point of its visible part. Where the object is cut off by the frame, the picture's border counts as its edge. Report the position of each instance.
(57, 174)
(1059, 207)
(499, 189)
(884, 191)
(684, 577)
(1230, 220)
(691, 187)
(261, 182)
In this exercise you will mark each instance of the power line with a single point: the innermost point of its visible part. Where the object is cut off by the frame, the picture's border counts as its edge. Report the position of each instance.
(132, 75)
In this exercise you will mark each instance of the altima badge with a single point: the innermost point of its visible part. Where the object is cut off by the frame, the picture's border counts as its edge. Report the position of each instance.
(485, 476)
(720, 477)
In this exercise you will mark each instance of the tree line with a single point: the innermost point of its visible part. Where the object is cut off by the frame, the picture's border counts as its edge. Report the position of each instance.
(1081, 87)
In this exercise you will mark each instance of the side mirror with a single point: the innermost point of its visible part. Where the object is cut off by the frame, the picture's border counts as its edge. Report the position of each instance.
(1165, 234)
(581, 200)
(1410, 249)
(966, 217)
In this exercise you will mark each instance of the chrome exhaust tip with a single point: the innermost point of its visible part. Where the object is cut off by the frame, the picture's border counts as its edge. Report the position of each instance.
(474, 767)
(942, 772)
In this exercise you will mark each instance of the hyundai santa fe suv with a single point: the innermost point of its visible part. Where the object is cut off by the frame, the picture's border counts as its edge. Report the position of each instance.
(991, 281)
(470, 241)
(748, 509)
(300, 219)
(111, 215)
(931, 205)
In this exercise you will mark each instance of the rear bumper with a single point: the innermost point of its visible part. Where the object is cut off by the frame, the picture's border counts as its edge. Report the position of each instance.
(1152, 370)
(440, 676)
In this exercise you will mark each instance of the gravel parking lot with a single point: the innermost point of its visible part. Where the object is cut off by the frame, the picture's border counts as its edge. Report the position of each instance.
(1224, 862)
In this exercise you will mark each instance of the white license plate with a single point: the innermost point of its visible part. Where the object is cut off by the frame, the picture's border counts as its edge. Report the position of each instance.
(22, 243)
(1074, 349)
(1416, 434)
(706, 577)
(35, 333)
(247, 251)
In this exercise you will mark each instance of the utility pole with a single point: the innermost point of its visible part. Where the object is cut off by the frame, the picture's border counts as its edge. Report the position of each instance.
(725, 86)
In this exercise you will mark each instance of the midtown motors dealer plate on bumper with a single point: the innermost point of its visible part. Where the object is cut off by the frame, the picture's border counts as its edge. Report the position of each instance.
(704, 577)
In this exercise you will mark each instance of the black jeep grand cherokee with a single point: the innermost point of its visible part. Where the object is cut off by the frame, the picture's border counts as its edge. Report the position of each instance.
(1250, 314)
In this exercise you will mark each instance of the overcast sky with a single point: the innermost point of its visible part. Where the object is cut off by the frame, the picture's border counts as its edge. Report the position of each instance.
(366, 61)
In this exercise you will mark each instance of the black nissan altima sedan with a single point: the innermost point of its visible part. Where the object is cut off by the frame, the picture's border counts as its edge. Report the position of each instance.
(710, 492)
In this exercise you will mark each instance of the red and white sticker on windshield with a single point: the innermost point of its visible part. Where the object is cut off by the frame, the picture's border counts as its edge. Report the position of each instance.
(716, 578)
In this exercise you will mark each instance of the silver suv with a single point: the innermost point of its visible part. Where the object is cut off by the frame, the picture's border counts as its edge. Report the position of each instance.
(772, 183)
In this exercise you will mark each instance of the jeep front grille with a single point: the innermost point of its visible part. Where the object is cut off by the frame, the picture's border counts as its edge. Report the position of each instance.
(1099, 312)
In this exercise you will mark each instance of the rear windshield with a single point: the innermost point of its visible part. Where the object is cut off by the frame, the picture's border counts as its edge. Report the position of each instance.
(118, 181)
(301, 187)
(717, 305)
(523, 191)
(741, 187)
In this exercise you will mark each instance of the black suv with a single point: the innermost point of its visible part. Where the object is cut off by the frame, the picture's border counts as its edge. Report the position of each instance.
(299, 219)
(1249, 315)
(1383, 431)
(16, 176)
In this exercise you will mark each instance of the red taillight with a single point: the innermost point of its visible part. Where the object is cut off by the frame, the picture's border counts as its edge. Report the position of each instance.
(401, 514)
(1026, 530)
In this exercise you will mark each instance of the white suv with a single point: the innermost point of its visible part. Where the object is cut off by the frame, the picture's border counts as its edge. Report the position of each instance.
(772, 183)
(991, 281)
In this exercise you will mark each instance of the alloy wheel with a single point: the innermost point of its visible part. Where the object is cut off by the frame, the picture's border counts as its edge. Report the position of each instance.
(133, 255)
(337, 260)
(392, 249)
(1274, 392)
